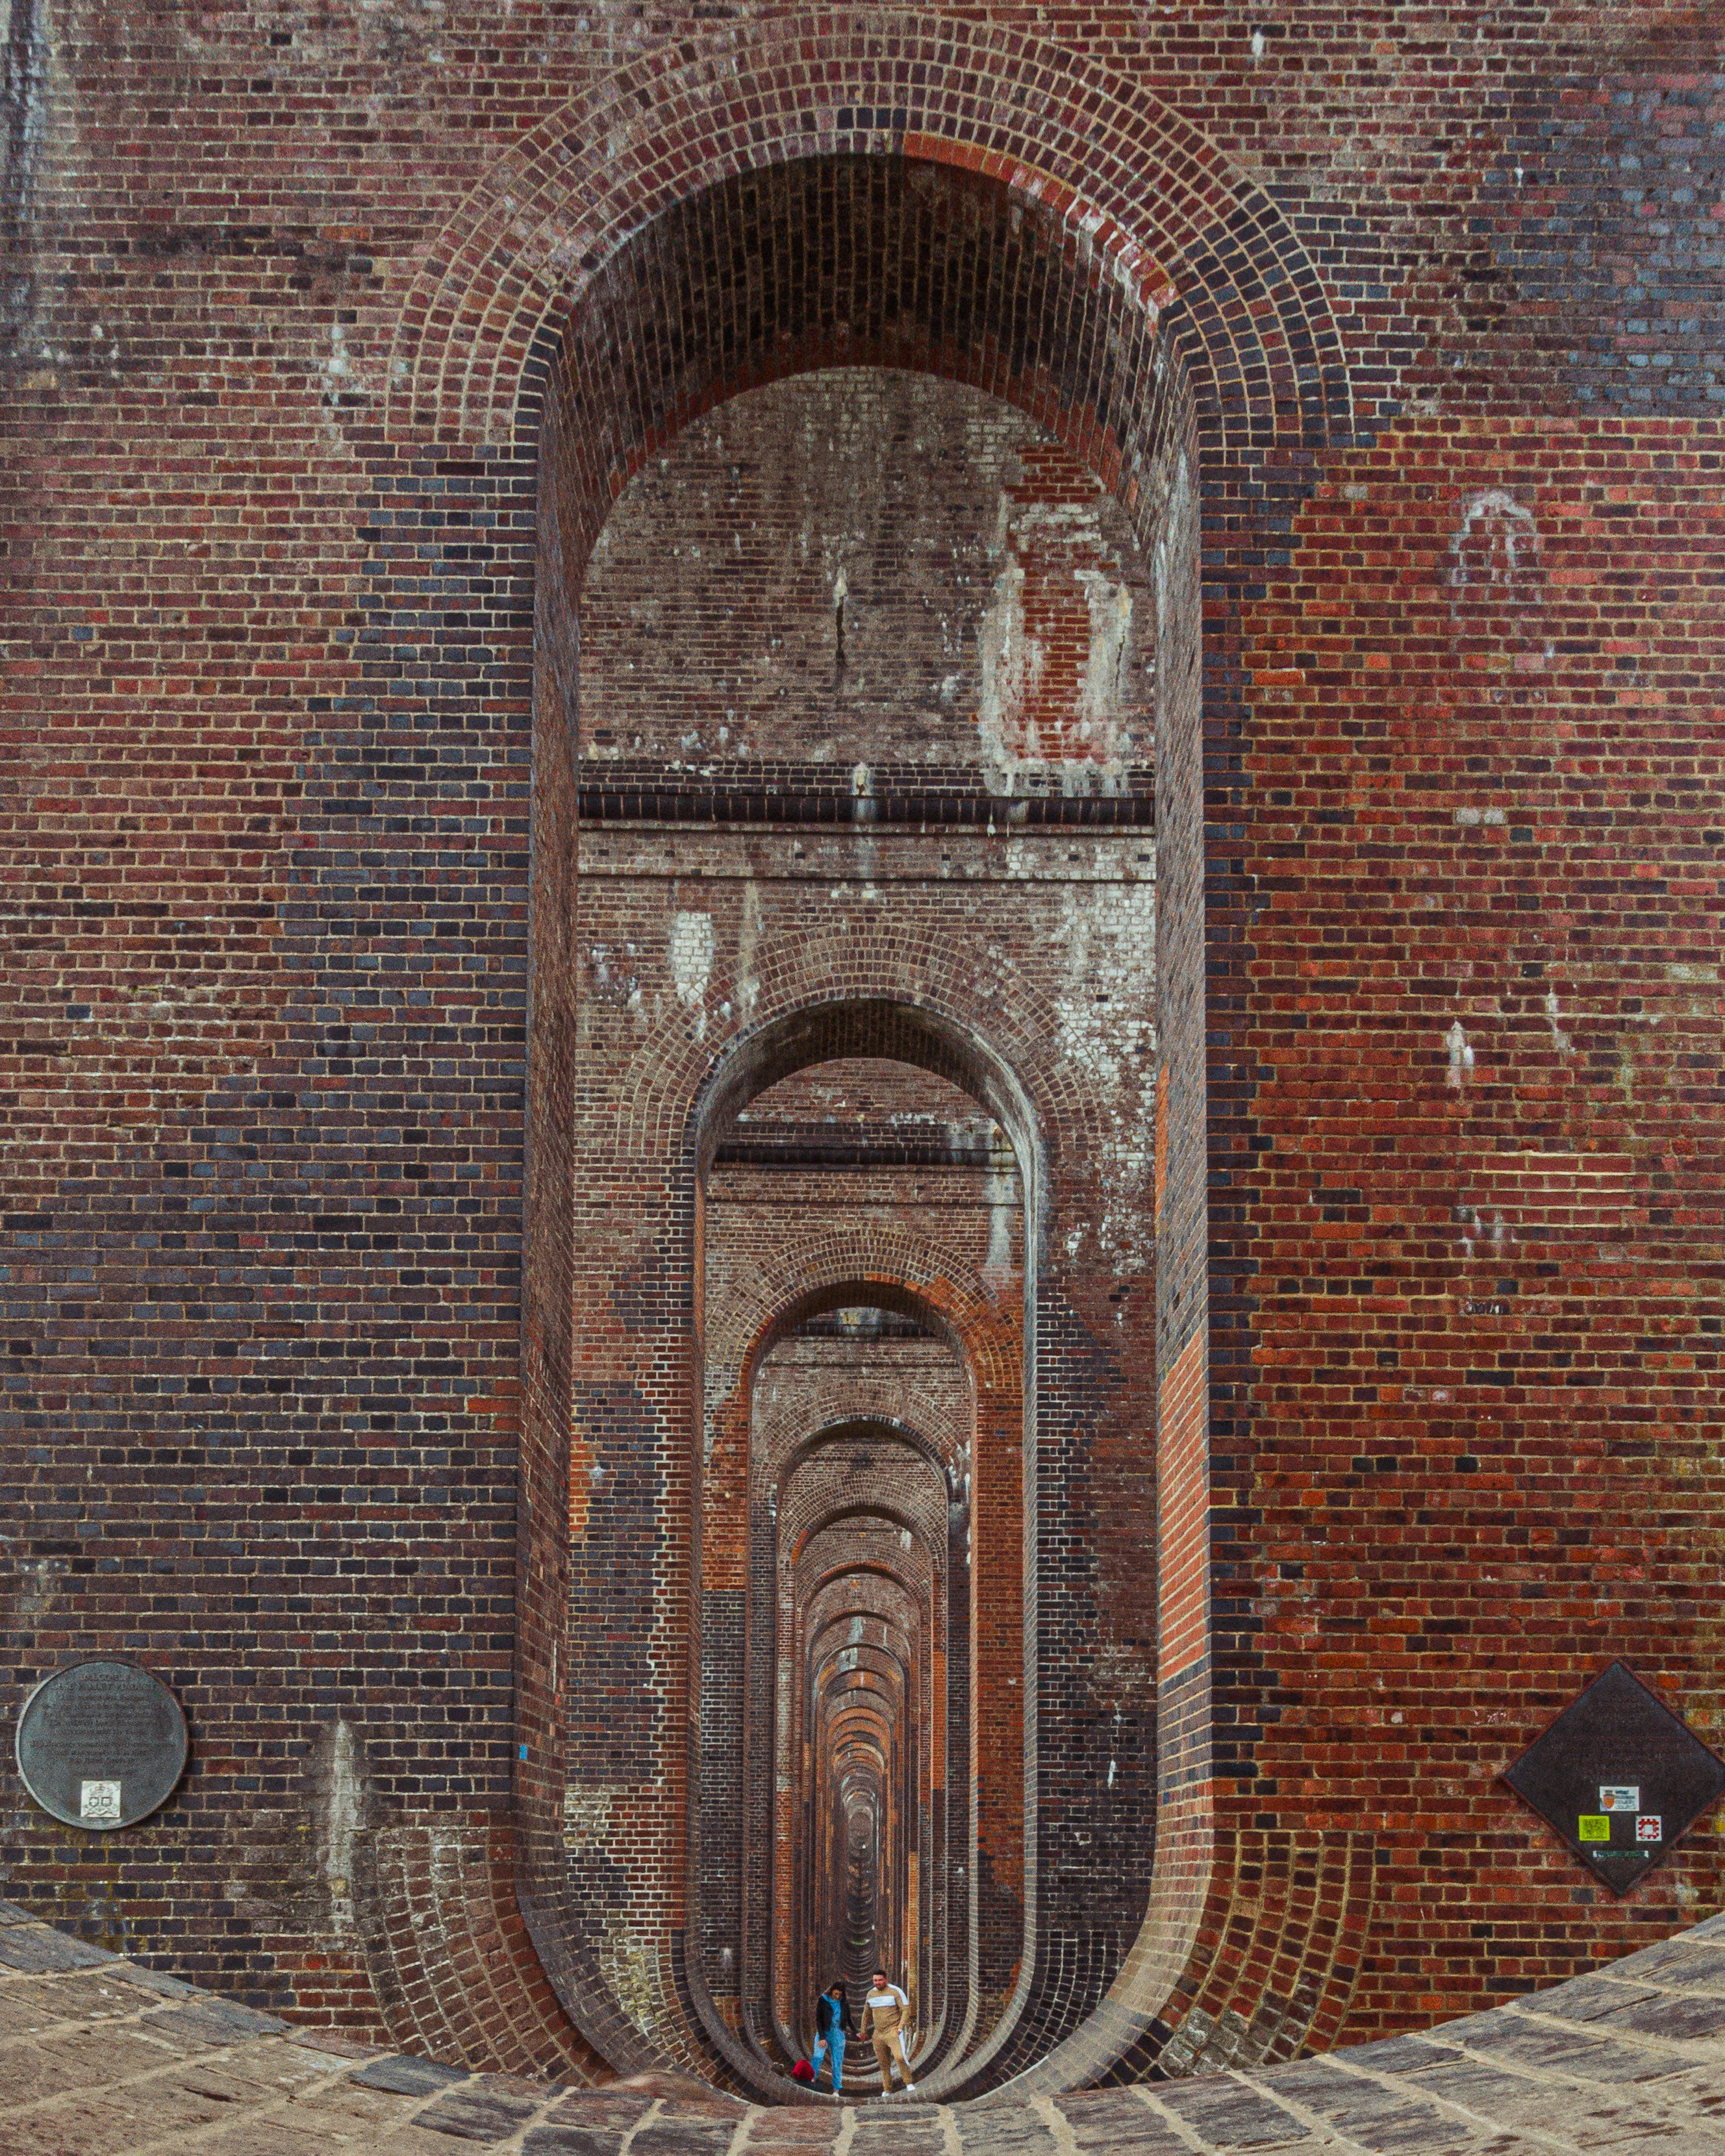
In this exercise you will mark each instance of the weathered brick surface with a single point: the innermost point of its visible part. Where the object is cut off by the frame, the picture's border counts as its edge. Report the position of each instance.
(1416, 329)
(101, 2058)
(868, 568)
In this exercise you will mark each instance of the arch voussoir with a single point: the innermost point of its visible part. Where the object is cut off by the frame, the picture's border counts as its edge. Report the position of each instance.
(1132, 182)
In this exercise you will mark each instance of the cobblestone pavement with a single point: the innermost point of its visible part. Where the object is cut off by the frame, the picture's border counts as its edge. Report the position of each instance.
(101, 2058)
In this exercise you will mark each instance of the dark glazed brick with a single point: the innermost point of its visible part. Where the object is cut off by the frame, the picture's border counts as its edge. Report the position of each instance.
(682, 2139)
(1022, 2133)
(1397, 2056)
(474, 2115)
(571, 2141)
(1678, 2020)
(36, 1952)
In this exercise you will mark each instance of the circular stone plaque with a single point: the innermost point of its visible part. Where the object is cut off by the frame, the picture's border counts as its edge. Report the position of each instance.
(101, 1743)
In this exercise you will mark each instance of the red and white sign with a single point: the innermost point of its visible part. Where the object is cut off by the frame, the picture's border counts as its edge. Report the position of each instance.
(1650, 1827)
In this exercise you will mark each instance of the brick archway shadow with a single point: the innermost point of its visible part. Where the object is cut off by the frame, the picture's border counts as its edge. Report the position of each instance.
(1183, 243)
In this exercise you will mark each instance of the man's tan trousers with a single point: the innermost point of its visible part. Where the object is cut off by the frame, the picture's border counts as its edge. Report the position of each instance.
(890, 2050)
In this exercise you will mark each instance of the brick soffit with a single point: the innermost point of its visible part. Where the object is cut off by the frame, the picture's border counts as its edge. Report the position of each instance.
(1150, 197)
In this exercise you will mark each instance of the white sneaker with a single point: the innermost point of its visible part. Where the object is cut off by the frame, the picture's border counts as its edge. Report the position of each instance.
(910, 2088)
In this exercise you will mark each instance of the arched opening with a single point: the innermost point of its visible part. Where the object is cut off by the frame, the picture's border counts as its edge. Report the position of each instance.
(865, 1421)
(872, 1597)
(908, 825)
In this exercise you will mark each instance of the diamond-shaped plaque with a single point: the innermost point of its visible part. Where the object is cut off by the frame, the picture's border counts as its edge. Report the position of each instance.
(1619, 1777)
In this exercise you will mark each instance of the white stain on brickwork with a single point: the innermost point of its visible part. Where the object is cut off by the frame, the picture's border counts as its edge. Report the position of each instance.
(1000, 1195)
(590, 1810)
(1105, 1024)
(1496, 542)
(1081, 740)
(692, 962)
(1460, 1053)
(1011, 664)
(748, 985)
(1100, 688)
(343, 1808)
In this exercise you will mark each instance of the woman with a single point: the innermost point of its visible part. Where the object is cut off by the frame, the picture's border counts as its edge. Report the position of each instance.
(832, 2025)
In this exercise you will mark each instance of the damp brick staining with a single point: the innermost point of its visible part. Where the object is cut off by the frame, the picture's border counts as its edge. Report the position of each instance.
(1155, 572)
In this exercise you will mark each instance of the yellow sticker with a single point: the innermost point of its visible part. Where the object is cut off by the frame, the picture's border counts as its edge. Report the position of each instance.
(1595, 1826)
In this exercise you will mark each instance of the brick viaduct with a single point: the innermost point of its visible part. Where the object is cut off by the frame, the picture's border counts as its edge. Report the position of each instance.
(866, 1041)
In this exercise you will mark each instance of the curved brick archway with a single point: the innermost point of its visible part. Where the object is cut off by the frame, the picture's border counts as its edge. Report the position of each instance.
(900, 1682)
(720, 1064)
(826, 1475)
(889, 984)
(895, 1271)
(1240, 358)
(760, 1306)
(1188, 239)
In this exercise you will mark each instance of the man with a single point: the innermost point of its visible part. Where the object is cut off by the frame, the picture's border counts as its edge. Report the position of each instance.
(887, 2014)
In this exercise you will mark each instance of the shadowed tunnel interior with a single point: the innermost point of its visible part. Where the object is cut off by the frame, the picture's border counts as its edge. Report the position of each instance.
(865, 527)
(867, 1676)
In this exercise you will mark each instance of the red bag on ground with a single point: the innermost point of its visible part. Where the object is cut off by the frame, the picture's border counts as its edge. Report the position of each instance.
(802, 2072)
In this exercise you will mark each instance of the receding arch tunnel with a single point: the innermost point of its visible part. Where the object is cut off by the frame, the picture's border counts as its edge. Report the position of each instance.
(865, 1293)
(862, 1401)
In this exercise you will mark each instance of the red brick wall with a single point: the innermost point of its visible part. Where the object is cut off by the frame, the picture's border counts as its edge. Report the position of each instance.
(280, 325)
(1486, 1039)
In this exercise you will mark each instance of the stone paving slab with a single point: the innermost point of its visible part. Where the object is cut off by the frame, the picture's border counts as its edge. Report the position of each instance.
(99, 2058)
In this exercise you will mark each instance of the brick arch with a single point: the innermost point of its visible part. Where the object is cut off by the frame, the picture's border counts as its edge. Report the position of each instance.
(822, 1658)
(860, 1511)
(1125, 365)
(837, 1432)
(823, 1568)
(889, 1695)
(829, 1623)
(822, 1650)
(909, 1272)
(895, 1405)
(863, 1569)
(825, 1493)
(1186, 241)
(911, 1275)
(759, 1308)
(986, 1026)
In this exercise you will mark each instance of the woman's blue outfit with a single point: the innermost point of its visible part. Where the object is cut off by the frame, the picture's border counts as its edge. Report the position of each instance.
(832, 2025)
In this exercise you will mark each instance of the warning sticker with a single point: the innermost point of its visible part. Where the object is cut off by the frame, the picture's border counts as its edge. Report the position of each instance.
(1650, 1827)
(1594, 1827)
(1619, 1797)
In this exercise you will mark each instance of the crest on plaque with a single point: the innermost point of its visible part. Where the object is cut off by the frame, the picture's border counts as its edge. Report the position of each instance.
(101, 1743)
